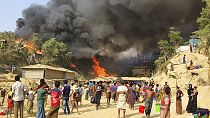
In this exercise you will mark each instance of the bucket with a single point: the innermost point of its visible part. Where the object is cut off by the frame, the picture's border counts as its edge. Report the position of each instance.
(141, 109)
(157, 107)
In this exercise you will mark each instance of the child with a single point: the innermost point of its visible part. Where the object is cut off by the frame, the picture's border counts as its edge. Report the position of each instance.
(75, 100)
(9, 105)
(80, 91)
(30, 101)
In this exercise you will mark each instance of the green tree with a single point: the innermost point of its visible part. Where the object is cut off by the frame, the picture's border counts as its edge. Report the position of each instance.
(203, 31)
(175, 38)
(11, 52)
(168, 48)
(56, 53)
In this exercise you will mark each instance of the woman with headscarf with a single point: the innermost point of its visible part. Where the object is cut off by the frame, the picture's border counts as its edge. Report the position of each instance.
(194, 99)
(179, 95)
(166, 103)
(189, 105)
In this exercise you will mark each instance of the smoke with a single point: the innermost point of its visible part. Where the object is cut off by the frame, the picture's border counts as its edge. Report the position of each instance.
(115, 28)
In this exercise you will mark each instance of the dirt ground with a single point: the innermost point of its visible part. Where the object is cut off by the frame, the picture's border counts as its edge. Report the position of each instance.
(87, 110)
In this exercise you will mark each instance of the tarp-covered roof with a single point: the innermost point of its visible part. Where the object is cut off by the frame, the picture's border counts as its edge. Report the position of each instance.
(41, 66)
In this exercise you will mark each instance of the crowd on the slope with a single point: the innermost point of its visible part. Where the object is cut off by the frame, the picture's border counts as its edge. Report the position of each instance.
(120, 92)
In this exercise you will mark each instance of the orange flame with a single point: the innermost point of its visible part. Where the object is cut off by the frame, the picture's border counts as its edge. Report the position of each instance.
(28, 45)
(73, 65)
(39, 51)
(99, 71)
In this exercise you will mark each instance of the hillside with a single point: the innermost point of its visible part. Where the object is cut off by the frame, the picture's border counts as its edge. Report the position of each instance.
(185, 77)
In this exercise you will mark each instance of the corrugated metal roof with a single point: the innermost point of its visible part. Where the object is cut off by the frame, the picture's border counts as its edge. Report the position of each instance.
(41, 66)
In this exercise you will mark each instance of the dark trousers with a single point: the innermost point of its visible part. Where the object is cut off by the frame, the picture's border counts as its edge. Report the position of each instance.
(98, 99)
(18, 105)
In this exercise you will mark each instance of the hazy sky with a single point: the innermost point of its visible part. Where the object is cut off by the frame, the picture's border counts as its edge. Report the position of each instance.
(10, 10)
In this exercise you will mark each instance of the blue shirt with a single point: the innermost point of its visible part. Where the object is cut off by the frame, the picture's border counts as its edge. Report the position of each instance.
(66, 90)
(57, 90)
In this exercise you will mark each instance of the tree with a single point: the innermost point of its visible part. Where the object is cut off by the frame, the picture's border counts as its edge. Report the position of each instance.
(11, 52)
(175, 38)
(56, 53)
(203, 31)
(168, 48)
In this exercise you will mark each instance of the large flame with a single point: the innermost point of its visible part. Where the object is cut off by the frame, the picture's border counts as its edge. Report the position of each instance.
(99, 71)
(28, 45)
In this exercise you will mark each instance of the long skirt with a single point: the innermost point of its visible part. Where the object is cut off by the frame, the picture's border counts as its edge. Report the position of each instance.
(179, 107)
(148, 106)
(40, 111)
(189, 105)
(53, 113)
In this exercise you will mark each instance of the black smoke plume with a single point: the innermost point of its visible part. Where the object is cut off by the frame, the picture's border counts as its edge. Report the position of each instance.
(115, 28)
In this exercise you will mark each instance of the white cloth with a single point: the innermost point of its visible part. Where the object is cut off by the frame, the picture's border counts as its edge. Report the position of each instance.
(18, 91)
(122, 97)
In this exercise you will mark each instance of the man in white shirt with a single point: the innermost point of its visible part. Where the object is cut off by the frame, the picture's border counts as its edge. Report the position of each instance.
(121, 94)
(18, 96)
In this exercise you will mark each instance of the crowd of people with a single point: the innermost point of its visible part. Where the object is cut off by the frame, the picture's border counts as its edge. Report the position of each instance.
(121, 92)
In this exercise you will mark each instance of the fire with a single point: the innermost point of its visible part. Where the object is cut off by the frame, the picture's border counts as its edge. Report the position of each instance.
(73, 65)
(99, 71)
(28, 45)
(39, 51)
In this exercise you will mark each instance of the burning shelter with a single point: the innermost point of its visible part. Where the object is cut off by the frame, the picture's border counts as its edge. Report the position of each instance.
(39, 71)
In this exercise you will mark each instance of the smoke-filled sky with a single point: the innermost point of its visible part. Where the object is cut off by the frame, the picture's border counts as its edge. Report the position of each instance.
(10, 10)
(115, 28)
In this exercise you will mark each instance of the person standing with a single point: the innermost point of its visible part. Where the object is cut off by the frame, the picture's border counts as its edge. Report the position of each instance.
(179, 95)
(165, 104)
(108, 93)
(114, 91)
(150, 94)
(86, 91)
(121, 96)
(56, 96)
(30, 100)
(18, 96)
(133, 97)
(189, 105)
(3, 95)
(80, 93)
(98, 94)
(66, 93)
(41, 93)
(75, 99)
(194, 99)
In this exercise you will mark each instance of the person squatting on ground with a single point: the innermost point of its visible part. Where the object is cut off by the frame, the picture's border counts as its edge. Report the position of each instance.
(18, 96)
(66, 93)
(121, 96)
(56, 96)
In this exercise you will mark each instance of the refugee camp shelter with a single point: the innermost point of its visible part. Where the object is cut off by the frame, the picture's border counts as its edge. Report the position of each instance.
(194, 41)
(39, 71)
